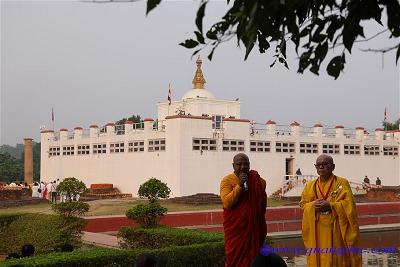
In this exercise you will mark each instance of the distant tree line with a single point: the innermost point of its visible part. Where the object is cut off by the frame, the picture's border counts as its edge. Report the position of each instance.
(391, 126)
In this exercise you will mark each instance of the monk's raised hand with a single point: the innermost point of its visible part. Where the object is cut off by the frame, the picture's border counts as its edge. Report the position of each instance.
(242, 179)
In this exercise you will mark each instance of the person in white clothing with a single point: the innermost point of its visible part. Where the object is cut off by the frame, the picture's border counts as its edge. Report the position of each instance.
(35, 192)
(41, 189)
(49, 187)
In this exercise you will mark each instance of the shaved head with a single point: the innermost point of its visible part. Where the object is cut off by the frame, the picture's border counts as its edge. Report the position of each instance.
(240, 156)
(325, 158)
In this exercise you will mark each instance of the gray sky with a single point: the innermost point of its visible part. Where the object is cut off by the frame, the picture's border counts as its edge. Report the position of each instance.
(96, 63)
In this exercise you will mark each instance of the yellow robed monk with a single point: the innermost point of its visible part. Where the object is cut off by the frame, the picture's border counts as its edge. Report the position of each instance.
(329, 227)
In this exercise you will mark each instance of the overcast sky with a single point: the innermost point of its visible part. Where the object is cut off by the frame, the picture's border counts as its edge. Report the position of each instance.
(96, 63)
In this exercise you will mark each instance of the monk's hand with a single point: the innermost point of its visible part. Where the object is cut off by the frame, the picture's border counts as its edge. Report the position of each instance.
(322, 205)
(242, 179)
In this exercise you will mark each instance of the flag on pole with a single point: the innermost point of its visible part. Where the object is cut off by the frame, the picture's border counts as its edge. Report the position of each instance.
(52, 115)
(169, 94)
(385, 115)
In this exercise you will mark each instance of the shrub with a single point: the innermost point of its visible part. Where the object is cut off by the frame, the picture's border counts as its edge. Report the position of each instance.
(70, 209)
(46, 232)
(163, 236)
(154, 189)
(146, 214)
(197, 255)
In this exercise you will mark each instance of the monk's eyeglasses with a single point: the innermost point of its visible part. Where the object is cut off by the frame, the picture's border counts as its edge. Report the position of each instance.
(322, 164)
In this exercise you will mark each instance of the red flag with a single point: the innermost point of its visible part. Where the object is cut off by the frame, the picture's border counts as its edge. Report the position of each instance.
(169, 94)
(384, 115)
(52, 114)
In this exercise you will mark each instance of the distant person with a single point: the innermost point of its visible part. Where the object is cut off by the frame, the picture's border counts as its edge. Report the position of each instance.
(366, 179)
(27, 250)
(330, 218)
(146, 260)
(35, 192)
(272, 260)
(48, 189)
(244, 201)
(54, 192)
(40, 189)
(298, 172)
(378, 181)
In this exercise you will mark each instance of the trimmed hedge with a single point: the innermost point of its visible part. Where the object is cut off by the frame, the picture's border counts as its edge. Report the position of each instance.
(197, 255)
(46, 232)
(6, 219)
(163, 236)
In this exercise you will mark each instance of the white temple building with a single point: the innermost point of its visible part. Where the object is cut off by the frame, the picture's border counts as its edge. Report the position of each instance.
(192, 149)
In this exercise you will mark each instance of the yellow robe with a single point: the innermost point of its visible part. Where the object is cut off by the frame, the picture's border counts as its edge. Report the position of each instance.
(331, 240)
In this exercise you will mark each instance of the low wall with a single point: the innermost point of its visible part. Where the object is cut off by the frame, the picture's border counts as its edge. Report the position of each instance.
(14, 193)
(278, 218)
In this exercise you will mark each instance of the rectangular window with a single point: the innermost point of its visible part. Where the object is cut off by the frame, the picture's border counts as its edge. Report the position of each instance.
(217, 121)
(68, 150)
(351, 149)
(284, 147)
(136, 146)
(331, 149)
(260, 146)
(371, 150)
(308, 148)
(83, 149)
(99, 148)
(204, 144)
(156, 145)
(54, 151)
(390, 151)
(117, 147)
(232, 145)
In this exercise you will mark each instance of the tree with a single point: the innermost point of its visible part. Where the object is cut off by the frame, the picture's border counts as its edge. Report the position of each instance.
(147, 214)
(11, 169)
(71, 187)
(153, 190)
(391, 126)
(134, 118)
(314, 27)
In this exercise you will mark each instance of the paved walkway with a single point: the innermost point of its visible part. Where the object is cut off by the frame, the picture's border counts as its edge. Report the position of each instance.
(99, 239)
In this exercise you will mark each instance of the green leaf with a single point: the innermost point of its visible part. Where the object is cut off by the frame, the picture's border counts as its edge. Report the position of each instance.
(151, 4)
(398, 53)
(199, 37)
(200, 15)
(189, 43)
(335, 66)
(304, 61)
(321, 51)
(263, 44)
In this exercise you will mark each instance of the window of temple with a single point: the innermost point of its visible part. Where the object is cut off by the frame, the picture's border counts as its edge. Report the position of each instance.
(54, 151)
(136, 146)
(284, 147)
(68, 150)
(390, 151)
(156, 145)
(232, 145)
(331, 149)
(351, 149)
(260, 146)
(371, 150)
(83, 149)
(202, 144)
(117, 147)
(217, 121)
(99, 148)
(308, 148)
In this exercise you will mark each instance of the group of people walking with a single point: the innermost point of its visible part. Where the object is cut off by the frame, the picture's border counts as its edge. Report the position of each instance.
(329, 218)
(46, 190)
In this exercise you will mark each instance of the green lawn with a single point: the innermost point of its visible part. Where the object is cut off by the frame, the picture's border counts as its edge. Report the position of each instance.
(119, 206)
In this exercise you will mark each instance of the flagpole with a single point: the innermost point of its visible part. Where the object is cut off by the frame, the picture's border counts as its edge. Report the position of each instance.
(52, 117)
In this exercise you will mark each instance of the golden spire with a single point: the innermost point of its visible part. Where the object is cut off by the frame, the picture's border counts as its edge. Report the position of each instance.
(198, 80)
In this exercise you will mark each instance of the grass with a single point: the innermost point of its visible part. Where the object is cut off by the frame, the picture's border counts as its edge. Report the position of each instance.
(120, 206)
